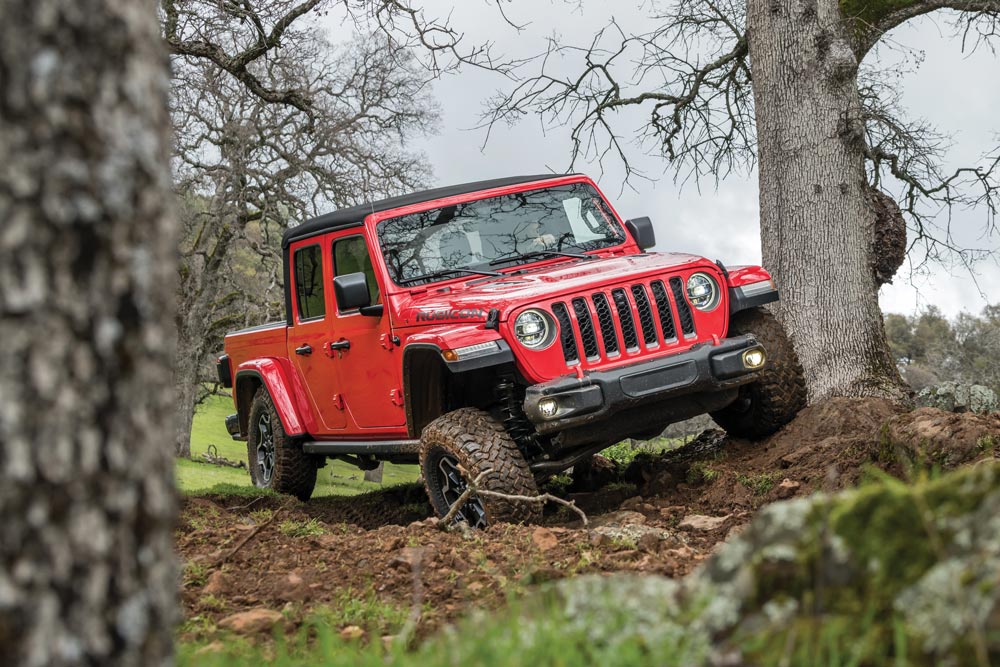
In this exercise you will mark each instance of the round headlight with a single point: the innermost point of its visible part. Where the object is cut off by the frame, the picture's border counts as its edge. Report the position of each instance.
(533, 329)
(703, 291)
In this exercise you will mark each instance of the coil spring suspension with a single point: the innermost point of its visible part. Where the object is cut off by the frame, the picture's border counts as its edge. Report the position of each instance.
(514, 420)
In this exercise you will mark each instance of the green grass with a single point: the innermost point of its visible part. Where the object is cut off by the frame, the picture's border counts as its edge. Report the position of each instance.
(624, 452)
(310, 528)
(759, 484)
(209, 428)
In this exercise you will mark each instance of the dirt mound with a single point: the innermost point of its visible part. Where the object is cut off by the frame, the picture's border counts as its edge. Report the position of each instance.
(948, 439)
(394, 505)
(827, 447)
(364, 555)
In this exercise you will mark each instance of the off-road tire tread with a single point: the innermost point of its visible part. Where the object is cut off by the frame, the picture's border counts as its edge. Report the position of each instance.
(479, 442)
(294, 470)
(780, 392)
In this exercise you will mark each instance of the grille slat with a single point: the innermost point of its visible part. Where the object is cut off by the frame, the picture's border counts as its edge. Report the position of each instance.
(645, 315)
(616, 313)
(566, 337)
(663, 310)
(607, 321)
(683, 309)
(587, 334)
(625, 319)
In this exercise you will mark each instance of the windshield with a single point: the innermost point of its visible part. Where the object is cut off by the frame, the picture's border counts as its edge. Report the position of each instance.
(499, 231)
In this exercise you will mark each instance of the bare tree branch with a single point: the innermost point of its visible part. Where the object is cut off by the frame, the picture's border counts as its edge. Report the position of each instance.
(873, 19)
(205, 28)
(691, 75)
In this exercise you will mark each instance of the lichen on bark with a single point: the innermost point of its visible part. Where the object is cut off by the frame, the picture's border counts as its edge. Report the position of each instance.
(87, 573)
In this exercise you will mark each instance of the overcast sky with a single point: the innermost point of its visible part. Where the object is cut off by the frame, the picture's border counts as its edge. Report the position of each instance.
(958, 93)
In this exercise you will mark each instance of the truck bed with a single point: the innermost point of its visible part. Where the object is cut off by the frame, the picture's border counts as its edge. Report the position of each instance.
(266, 340)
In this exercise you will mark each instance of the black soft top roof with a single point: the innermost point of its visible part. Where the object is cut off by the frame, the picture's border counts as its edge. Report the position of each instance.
(355, 215)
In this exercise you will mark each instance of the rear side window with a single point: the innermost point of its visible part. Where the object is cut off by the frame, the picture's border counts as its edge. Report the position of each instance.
(309, 282)
(350, 255)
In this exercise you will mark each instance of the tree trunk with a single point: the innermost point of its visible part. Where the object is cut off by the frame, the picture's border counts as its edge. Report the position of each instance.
(185, 402)
(817, 224)
(87, 572)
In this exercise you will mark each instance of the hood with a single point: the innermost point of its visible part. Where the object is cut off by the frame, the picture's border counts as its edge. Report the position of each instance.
(472, 299)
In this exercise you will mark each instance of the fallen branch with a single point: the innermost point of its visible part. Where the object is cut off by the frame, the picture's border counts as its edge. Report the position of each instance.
(252, 534)
(463, 498)
(247, 506)
(541, 498)
(212, 457)
(473, 490)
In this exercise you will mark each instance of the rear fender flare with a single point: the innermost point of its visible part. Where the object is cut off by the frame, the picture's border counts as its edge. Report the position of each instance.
(273, 375)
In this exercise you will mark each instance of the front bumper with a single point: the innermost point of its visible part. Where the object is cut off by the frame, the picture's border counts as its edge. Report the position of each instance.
(600, 394)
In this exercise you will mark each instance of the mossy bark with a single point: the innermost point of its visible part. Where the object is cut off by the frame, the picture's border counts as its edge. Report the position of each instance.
(818, 225)
(87, 573)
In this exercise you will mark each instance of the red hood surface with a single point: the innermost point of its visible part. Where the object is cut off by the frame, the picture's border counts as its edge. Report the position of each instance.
(470, 299)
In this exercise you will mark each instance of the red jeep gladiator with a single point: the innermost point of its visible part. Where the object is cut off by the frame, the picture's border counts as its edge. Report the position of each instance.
(504, 331)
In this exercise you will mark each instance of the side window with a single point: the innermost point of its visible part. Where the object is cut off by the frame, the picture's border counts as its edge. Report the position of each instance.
(309, 282)
(350, 255)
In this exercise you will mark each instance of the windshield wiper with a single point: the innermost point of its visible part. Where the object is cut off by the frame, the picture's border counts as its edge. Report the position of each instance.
(446, 272)
(540, 253)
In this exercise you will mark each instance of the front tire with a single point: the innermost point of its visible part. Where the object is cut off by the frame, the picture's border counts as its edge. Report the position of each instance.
(472, 441)
(275, 461)
(772, 401)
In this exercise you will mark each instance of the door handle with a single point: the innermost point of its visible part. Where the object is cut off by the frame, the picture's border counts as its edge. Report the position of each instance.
(304, 350)
(338, 347)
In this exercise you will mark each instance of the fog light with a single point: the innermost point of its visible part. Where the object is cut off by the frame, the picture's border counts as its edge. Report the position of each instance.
(753, 359)
(548, 407)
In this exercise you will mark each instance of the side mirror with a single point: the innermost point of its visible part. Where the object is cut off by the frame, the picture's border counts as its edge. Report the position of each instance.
(641, 230)
(351, 292)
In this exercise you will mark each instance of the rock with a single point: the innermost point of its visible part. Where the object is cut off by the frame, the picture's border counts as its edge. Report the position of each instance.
(787, 488)
(958, 397)
(407, 559)
(635, 534)
(252, 621)
(218, 583)
(599, 540)
(632, 503)
(619, 518)
(649, 541)
(214, 647)
(351, 633)
(701, 522)
(544, 539)
(295, 588)
(929, 436)
(795, 458)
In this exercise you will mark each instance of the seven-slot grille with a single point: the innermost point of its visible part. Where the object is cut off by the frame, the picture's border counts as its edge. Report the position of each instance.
(608, 321)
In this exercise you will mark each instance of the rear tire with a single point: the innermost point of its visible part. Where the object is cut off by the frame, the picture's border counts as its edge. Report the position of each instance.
(471, 440)
(766, 405)
(275, 461)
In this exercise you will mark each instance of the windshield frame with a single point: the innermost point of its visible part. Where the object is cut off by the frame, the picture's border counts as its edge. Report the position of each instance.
(619, 238)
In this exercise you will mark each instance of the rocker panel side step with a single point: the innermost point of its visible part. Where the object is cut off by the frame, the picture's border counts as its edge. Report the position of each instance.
(372, 447)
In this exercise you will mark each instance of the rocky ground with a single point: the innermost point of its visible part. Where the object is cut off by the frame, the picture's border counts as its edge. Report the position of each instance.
(372, 562)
